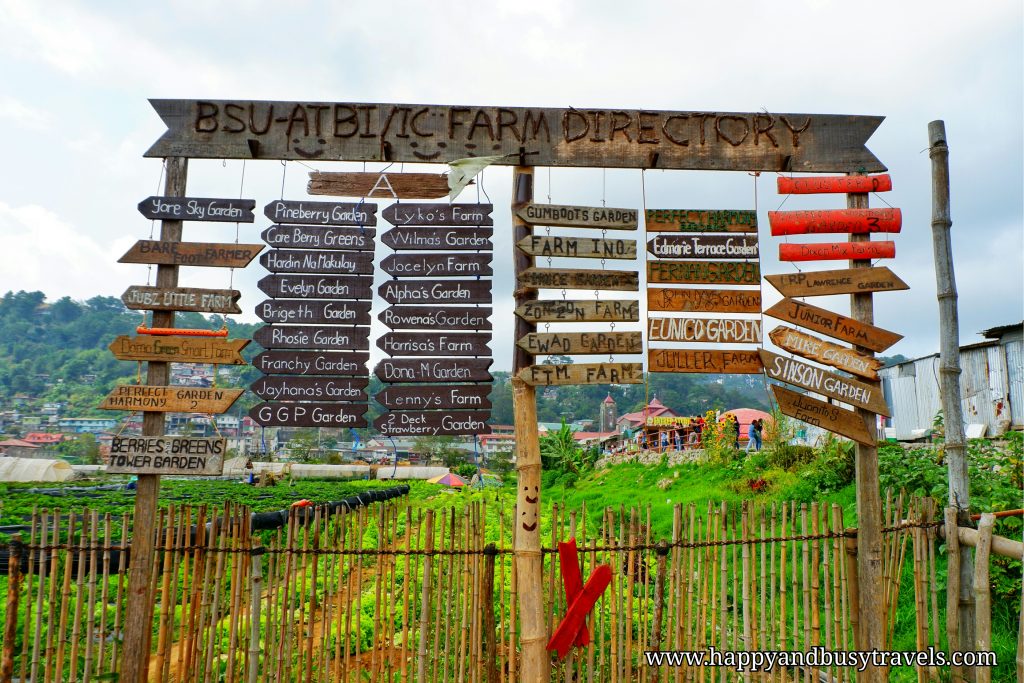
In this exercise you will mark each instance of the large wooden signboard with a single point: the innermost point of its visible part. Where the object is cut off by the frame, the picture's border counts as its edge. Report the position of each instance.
(842, 281)
(704, 246)
(813, 378)
(168, 399)
(583, 373)
(205, 254)
(697, 220)
(176, 455)
(821, 414)
(576, 311)
(198, 209)
(821, 351)
(714, 361)
(176, 349)
(319, 237)
(669, 299)
(834, 325)
(182, 299)
(328, 312)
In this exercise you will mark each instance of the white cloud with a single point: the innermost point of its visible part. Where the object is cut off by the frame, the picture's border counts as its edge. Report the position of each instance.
(23, 115)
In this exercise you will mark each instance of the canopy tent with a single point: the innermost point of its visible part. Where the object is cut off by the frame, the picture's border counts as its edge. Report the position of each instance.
(448, 480)
(34, 469)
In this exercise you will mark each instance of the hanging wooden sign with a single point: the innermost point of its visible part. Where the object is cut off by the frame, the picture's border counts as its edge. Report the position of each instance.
(731, 361)
(452, 215)
(441, 397)
(831, 251)
(317, 286)
(182, 299)
(319, 262)
(435, 318)
(198, 209)
(321, 213)
(576, 311)
(696, 220)
(692, 300)
(309, 311)
(598, 217)
(434, 344)
(704, 246)
(578, 247)
(821, 414)
(821, 351)
(704, 272)
(843, 281)
(166, 399)
(714, 330)
(177, 349)
(845, 184)
(319, 237)
(834, 325)
(440, 239)
(813, 378)
(431, 292)
(433, 370)
(332, 415)
(290, 388)
(569, 278)
(177, 455)
(387, 185)
(437, 265)
(337, 363)
(313, 337)
(433, 423)
(581, 343)
(583, 373)
(205, 254)
(835, 221)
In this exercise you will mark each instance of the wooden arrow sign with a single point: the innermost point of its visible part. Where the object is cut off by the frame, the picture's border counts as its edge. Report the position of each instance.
(433, 370)
(319, 237)
(583, 373)
(453, 215)
(310, 388)
(704, 272)
(434, 344)
(433, 423)
(178, 455)
(336, 363)
(321, 213)
(166, 399)
(333, 415)
(691, 220)
(704, 330)
(731, 362)
(317, 286)
(309, 311)
(313, 337)
(205, 254)
(821, 351)
(703, 300)
(432, 292)
(182, 299)
(582, 343)
(176, 349)
(569, 278)
(813, 378)
(321, 262)
(599, 217)
(831, 251)
(576, 311)
(844, 281)
(835, 221)
(845, 184)
(446, 239)
(704, 246)
(834, 325)
(198, 209)
(441, 397)
(387, 185)
(578, 247)
(437, 265)
(435, 318)
(822, 414)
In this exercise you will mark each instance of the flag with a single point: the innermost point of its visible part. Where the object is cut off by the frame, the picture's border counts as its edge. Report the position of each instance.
(464, 170)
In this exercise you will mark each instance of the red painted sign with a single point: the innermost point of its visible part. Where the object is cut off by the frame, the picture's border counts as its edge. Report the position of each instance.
(845, 184)
(835, 221)
(564, 636)
(830, 251)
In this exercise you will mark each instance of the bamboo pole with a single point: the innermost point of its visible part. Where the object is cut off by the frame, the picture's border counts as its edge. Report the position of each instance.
(11, 608)
(90, 609)
(983, 595)
(166, 601)
(853, 587)
(65, 599)
(31, 570)
(52, 598)
(421, 666)
(255, 603)
(122, 559)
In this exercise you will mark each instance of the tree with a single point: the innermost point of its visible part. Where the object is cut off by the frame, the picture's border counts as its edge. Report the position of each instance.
(439, 448)
(559, 451)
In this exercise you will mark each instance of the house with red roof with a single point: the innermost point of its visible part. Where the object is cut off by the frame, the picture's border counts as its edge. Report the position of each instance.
(654, 409)
(44, 438)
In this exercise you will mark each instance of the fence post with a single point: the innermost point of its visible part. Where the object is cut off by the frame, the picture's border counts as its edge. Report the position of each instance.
(428, 549)
(982, 595)
(953, 589)
(255, 602)
(659, 596)
(853, 586)
(487, 604)
(11, 620)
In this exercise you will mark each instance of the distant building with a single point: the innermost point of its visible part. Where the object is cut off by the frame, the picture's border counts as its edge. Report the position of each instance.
(654, 409)
(93, 425)
(18, 448)
(609, 414)
(44, 438)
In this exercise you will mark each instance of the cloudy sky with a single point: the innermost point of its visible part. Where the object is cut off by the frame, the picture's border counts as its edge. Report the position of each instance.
(75, 121)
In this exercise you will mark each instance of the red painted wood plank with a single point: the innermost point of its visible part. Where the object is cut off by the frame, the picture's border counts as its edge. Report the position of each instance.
(568, 558)
(562, 639)
(830, 251)
(835, 221)
(846, 184)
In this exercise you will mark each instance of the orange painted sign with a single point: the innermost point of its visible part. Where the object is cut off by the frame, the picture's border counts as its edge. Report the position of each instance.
(831, 251)
(846, 184)
(835, 221)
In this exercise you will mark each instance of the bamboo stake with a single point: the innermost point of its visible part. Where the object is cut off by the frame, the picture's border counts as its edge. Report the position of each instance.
(91, 605)
(723, 535)
(11, 608)
(177, 557)
(645, 612)
(852, 587)
(65, 600)
(29, 611)
(765, 587)
(122, 559)
(201, 569)
(745, 590)
(212, 641)
(235, 600)
(632, 560)
(805, 554)
(953, 592)
(613, 656)
(421, 666)
(982, 594)
(828, 586)
(166, 600)
(52, 599)
(773, 587)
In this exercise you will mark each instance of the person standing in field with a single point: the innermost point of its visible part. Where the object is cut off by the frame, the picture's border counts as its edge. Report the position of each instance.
(752, 437)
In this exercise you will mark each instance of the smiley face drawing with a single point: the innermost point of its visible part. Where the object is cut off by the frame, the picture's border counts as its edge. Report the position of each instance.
(529, 513)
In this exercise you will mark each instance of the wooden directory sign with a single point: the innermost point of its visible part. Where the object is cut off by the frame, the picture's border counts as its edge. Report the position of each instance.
(332, 415)
(598, 217)
(832, 251)
(441, 397)
(704, 330)
(576, 311)
(704, 272)
(821, 414)
(437, 265)
(206, 254)
(835, 221)
(319, 237)
(166, 399)
(583, 373)
(691, 220)
(846, 184)
(198, 209)
(822, 351)
(568, 278)
(432, 423)
(177, 455)
(337, 363)
(317, 286)
(810, 377)
(389, 185)
(703, 300)
(704, 246)
(704, 361)
(578, 247)
(433, 370)
(311, 311)
(458, 239)
(843, 281)
(182, 299)
(435, 318)
(313, 337)
(834, 325)
(321, 213)
(320, 262)
(450, 215)
(175, 349)
(298, 388)
(431, 292)
(434, 344)
(581, 343)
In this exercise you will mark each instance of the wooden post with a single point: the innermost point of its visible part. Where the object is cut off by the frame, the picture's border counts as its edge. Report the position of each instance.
(953, 590)
(11, 620)
(428, 562)
(138, 627)
(490, 638)
(983, 595)
(255, 602)
(852, 585)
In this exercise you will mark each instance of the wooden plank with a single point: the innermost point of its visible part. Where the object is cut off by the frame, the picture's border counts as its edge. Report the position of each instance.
(821, 414)
(821, 351)
(335, 363)
(437, 265)
(334, 415)
(317, 286)
(613, 138)
(578, 247)
(441, 397)
(690, 300)
(319, 262)
(844, 184)
(704, 272)
(583, 373)
(576, 311)
(175, 349)
(434, 344)
(713, 330)
(139, 298)
(207, 254)
(571, 278)
(168, 399)
(716, 361)
(433, 370)
(842, 281)
(178, 455)
(299, 388)
(857, 221)
(319, 237)
(198, 209)
(313, 337)
(433, 423)
(432, 292)
(439, 215)
(309, 311)
(597, 217)
(834, 325)
(389, 185)
(303, 212)
(701, 220)
(704, 246)
(436, 317)
(581, 343)
(796, 372)
(832, 251)
(464, 239)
